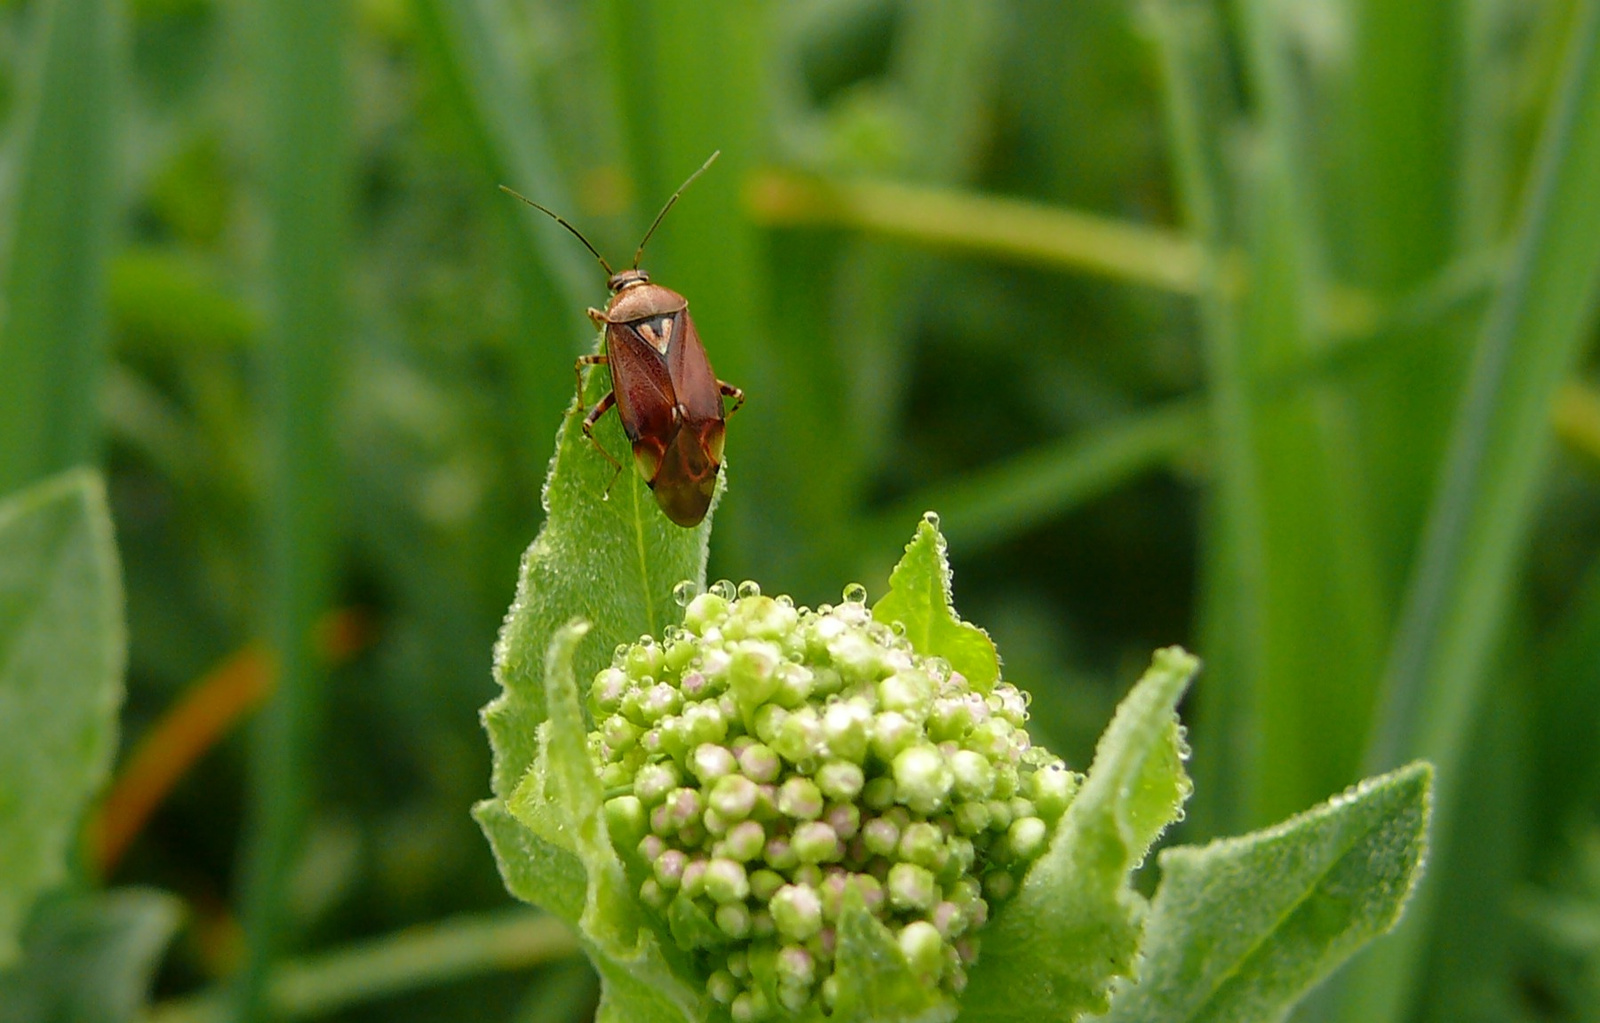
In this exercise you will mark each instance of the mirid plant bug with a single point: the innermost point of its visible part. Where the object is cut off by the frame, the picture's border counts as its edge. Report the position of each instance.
(662, 384)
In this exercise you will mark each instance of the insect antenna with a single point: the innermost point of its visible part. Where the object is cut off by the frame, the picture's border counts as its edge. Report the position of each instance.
(657, 223)
(577, 233)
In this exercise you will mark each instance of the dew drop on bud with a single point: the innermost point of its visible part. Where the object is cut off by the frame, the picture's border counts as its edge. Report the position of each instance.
(685, 592)
(749, 588)
(724, 589)
(647, 641)
(931, 518)
(855, 593)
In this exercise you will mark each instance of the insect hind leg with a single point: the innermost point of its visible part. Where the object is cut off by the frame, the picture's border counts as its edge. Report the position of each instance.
(601, 408)
(730, 391)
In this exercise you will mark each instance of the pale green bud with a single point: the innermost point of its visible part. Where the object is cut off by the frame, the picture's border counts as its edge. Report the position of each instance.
(744, 841)
(709, 762)
(704, 611)
(734, 796)
(840, 779)
(816, 842)
(974, 775)
(892, 733)
(912, 887)
(923, 948)
(922, 779)
(726, 881)
(797, 912)
(846, 729)
(760, 763)
(800, 798)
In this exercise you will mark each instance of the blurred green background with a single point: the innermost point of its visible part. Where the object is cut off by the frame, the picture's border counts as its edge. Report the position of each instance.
(1264, 327)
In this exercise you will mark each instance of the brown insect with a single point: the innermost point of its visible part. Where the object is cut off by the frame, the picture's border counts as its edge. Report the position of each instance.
(662, 384)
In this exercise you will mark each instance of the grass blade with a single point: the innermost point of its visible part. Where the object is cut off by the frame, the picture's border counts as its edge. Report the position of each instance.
(988, 506)
(1006, 228)
(1481, 513)
(61, 215)
(297, 49)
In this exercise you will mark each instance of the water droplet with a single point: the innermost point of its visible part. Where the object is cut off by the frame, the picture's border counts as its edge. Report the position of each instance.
(724, 589)
(673, 633)
(898, 627)
(824, 609)
(749, 588)
(685, 592)
(784, 600)
(855, 593)
(647, 641)
(931, 518)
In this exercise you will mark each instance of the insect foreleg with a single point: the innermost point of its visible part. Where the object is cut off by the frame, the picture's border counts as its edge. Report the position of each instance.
(577, 373)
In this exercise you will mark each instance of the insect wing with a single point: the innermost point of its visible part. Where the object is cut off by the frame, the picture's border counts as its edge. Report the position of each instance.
(646, 402)
(693, 380)
(687, 477)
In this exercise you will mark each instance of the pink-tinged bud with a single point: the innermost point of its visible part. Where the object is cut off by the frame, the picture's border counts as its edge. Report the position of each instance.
(797, 912)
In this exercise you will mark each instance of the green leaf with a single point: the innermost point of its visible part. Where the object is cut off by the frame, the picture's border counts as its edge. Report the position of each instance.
(876, 984)
(919, 599)
(569, 786)
(1053, 951)
(90, 957)
(639, 969)
(533, 869)
(612, 562)
(1241, 928)
(62, 650)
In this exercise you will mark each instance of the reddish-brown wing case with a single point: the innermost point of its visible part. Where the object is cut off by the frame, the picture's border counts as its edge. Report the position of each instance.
(667, 395)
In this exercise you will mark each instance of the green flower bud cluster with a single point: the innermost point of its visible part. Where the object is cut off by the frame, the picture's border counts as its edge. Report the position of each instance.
(765, 760)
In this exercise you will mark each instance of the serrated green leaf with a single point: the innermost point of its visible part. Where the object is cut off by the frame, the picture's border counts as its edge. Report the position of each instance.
(533, 870)
(90, 957)
(571, 787)
(1240, 929)
(875, 983)
(630, 997)
(612, 562)
(622, 942)
(1075, 925)
(62, 649)
(919, 599)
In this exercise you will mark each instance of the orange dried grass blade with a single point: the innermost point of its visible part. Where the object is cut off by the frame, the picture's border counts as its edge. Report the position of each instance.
(204, 714)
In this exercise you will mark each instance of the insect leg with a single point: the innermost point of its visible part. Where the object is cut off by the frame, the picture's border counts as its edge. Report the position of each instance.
(732, 392)
(577, 372)
(601, 408)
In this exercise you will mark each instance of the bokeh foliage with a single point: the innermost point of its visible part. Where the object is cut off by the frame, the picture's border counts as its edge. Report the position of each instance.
(1260, 326)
